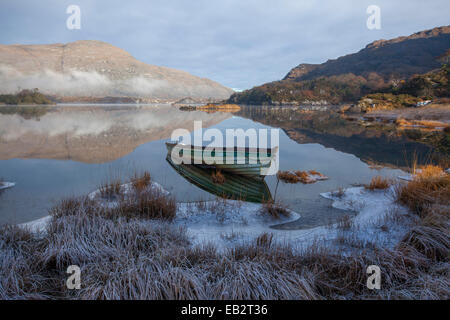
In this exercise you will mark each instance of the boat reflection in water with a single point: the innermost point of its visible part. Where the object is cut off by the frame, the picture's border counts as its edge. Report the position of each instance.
(233, 186)
(254, 163)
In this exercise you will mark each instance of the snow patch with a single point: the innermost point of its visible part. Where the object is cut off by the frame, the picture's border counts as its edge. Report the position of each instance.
(127, 190)
(379, 220)
(408, 177)
(226, 223)
(37, 226)
(370, 204)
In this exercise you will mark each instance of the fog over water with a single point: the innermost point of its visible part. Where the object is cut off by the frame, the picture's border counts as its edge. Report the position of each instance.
(82, 83)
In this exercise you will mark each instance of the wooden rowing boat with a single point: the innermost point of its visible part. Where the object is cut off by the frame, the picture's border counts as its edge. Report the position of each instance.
(241, 161)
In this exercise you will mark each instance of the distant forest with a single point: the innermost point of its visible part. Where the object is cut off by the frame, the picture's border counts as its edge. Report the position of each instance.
(349, 88)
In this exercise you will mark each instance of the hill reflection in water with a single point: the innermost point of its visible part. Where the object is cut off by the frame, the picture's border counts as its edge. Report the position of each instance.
(70, 150)
(91, 134)
(375, 145)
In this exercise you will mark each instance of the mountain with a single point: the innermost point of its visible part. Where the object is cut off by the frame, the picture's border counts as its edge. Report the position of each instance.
(380, 64)
(301, 70)
(95, 69)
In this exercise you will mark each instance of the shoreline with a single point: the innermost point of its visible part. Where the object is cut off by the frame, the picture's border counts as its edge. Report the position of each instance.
(124, 250)
(226, 223)
(433, 116)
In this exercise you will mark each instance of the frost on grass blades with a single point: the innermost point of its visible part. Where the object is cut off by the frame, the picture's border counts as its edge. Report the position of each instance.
(253, 148)
(132, 178)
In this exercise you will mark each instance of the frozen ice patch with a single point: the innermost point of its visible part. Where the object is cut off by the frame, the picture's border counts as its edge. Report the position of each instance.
(37, 226)
(226, 222)
(6, 185)
(126, 190)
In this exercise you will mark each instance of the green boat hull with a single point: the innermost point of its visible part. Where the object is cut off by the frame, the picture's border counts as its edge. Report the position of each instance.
(240, 161)
(235, 187)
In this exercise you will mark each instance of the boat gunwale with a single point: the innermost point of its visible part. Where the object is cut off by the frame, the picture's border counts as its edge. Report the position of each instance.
(267, 151)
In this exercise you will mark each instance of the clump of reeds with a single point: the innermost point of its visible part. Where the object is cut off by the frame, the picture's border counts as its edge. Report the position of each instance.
(339, 193)
(378, 183)
(217, 177)
(264, 240)
(141, 182)
(274, 209)
(21, 277)
(298, 176)
(112, 189)
(428, 195)
(219, 208)
(201, 205)
(303, 176)
(430, 172)
(315, 173)
(288, 177)
(345, 223)
(74, 206)
(431, 240)
(147, 204)
(429, 186)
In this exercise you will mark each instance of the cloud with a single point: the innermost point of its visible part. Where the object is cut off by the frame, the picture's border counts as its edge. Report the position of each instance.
(78, 83)
(75, 83)
(237, 43)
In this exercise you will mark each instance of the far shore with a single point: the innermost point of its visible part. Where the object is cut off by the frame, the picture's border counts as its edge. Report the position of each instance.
(436, 112)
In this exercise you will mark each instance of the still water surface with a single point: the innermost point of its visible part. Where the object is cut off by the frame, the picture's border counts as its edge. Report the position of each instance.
(70, 150)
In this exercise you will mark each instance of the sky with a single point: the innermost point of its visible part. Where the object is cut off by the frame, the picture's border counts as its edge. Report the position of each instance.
(238, 43)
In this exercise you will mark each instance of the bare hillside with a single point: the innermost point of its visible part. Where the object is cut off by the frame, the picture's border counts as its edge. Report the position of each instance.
(96, 69)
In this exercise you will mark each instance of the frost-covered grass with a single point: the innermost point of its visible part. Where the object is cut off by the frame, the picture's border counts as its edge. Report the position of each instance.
(227, 250)
(139, 198)
(428, 195)
(133, 259)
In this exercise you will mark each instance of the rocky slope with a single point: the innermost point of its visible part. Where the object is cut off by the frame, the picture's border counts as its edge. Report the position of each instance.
(379, 65)
(96, 69)
(300, 70)
(401, 57)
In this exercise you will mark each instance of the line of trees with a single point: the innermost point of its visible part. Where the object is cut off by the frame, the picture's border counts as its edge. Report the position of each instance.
(25, 96)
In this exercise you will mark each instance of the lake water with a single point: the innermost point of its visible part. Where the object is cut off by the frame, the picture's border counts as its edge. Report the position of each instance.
(62, 151)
